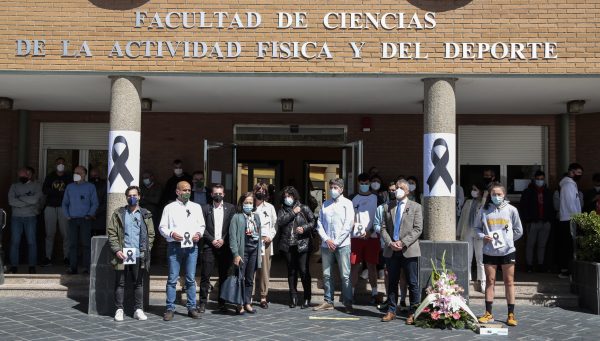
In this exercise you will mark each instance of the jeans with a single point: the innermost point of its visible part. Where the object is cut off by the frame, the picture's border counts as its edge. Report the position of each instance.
(342, 254)
(248, 269)
(539, 232)
(17, 227)
(297, 265)
(176, 257)
(79, 228)
(52, 215)
(137, 278)
(410, 266)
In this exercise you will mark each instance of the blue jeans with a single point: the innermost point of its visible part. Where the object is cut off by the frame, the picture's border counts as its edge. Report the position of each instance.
(410, 266)
(342, 254)
(177, 256)
(17, 227)
(80, 229)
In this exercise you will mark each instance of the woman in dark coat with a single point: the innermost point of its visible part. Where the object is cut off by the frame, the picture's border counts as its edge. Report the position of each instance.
(295, 224)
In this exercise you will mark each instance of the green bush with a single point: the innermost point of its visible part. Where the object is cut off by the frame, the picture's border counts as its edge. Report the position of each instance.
(588, 236)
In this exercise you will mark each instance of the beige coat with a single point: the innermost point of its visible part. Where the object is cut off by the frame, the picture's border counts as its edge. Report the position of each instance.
(410, 228)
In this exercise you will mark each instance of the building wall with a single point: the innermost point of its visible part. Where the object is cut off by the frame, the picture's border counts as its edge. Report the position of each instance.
(570, 24)
(588, 142)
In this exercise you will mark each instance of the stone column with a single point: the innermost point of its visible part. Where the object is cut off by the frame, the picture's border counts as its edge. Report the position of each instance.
(439, 211)
(565, 145)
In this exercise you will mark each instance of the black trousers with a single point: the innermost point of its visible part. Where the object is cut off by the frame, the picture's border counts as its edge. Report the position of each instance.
(209, 257)
(297, 265)
(395, 264)
(136, 274)
(564, 244)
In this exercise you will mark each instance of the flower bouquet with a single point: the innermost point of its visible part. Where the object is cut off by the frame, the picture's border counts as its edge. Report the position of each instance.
(444, 307)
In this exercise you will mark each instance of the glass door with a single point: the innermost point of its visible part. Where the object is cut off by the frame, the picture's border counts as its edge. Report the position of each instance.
(251, 173)
(220, 166)
(352, 164)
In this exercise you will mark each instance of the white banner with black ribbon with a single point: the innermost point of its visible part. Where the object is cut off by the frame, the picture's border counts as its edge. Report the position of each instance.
(123, 160)
(439, 165)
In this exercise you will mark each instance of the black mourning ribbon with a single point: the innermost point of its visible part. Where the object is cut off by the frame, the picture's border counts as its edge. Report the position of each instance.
(129, 256)
(439, 166)
(496, 239)
(119, 163)
(187, 240)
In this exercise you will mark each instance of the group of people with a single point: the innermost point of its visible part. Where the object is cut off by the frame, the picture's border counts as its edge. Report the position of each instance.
(377, 228)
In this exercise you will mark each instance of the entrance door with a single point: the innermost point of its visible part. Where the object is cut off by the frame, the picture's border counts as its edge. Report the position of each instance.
(251, 173)
(220, 166)
(317, 176)
(352, 164)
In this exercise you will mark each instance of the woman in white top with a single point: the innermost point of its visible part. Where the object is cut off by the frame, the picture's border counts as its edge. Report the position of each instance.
(470, 215)
(268, 219)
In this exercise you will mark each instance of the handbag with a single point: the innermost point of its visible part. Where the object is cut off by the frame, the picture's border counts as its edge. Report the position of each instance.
(232, 290)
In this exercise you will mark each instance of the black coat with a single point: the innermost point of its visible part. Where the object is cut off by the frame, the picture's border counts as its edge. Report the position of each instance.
(288, 220)
(529, 205)
(209, 219)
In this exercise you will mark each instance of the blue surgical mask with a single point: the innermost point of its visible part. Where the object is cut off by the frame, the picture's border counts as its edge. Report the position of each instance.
(539, 183)
(247, 208)
(132, 201)
(364, 187)
(289, 201)
(334, 193)
(497, 199)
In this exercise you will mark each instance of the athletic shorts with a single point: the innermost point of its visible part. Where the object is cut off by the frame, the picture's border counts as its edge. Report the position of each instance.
(500, 260)
(364, 250)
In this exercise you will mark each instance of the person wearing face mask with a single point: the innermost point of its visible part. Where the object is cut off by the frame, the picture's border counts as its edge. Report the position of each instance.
(469, 217)
(378, 189)
(499, 227)
(245, 243)
(182, 225)
(364, 241)
(537, 213)
(295, 224)
(79, 205)
(215, 244)
(401, 228)
(24, 197)
(54, 189)
(151, 193)
(335, 224)
(130, 227)
(414, 193)
(200, 193)
(99, 221)
(592, 196)
(570, 204)
(171, 184)
(268, 218)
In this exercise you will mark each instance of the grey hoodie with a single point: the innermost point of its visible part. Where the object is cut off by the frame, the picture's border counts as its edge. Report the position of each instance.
(25, 198)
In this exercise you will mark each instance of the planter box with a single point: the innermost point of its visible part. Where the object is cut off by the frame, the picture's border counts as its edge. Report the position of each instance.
(586, 282)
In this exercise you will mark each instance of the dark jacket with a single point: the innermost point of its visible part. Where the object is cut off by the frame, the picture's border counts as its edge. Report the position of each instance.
(54, 188)
(288, 220)
(209, 218)
(116, 234)
(528, 207)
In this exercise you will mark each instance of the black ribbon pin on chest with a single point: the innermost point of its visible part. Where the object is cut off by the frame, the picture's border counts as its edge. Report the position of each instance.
(496, 237)
(186, 237)
(129, 257)
(120, 162)
(440, 169)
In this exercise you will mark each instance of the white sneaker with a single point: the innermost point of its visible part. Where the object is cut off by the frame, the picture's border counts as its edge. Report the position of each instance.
(119, 315)
(481, 286)
(364, 274)
(381, 274)
(139, 315)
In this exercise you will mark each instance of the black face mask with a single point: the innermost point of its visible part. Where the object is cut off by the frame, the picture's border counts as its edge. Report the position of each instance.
(260, 196)
(23, 179)
(576, 177)
(217, 197)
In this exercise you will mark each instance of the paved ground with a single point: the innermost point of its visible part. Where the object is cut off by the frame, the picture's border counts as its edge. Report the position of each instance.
(65, 319)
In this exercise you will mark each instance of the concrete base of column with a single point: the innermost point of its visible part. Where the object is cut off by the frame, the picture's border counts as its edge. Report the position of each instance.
(102, 282)
(456, 260)
(439, 212)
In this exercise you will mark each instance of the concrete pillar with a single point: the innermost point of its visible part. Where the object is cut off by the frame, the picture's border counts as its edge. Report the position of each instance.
(22, 150)
(439, 202)
(564, 159)
(125, 116)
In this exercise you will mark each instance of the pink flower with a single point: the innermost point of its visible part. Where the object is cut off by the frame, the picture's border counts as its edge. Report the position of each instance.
(426, 310)
(435, 315)
(456, 315)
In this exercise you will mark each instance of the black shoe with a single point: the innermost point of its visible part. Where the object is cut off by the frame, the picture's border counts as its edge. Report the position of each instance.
(32, 270)
(264, 304)
(46, 262)
(222, 307)
(201, 308)
(193, 313)
(13, 270)
(168, 316)
(86, 271)
(71, 272)
(293, 302)
(348, 309)
(305, 305)
(66, 262)
(529, 268)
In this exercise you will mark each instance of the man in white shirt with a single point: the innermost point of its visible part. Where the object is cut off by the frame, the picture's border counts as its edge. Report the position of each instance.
(182, 225)
(336, 220)
(570, 204)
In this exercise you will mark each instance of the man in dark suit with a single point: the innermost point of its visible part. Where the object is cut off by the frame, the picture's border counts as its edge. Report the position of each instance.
(215, 243)
(400, 230)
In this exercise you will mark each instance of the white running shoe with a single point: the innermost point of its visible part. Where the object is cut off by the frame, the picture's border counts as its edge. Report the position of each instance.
(139, 315)
(365, 274)
(119, 315)
(381, 274)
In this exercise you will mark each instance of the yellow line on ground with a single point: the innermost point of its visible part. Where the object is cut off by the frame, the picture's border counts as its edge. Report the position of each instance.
(334, 318)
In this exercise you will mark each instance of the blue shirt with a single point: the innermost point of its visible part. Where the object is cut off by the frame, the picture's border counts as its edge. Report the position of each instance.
(132, 229)
(80, 200)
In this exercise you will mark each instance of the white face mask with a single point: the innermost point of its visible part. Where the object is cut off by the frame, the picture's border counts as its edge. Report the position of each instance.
(375, 186)
(289, 201)
(334, 193)
(60, 168)
(475, 194)
(147, 181)
(400, 194)
(539, 183)
(412, 187)
(76, 177)
(178, 171)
